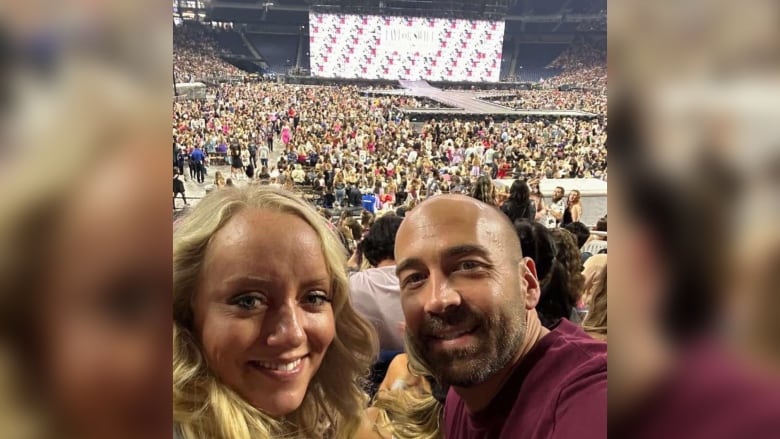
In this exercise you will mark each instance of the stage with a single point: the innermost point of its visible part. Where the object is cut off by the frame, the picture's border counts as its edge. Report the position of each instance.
(465, 104)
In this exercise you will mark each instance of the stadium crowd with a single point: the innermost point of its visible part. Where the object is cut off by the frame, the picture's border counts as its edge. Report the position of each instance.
(196, 54)
(335, 140)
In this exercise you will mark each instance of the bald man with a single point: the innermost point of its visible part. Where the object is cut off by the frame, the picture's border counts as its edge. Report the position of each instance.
(468, 297)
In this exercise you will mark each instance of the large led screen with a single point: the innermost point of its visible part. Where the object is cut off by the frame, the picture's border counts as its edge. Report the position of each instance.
(412, 48)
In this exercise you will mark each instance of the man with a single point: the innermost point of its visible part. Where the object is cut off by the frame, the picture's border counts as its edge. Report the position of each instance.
(265, 153)
(375, 291)
(253, 154)
(198, 158)
(558, 205)
(468, 298)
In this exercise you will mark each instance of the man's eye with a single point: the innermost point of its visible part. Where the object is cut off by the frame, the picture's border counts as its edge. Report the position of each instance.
(468, 266)
(413, 280)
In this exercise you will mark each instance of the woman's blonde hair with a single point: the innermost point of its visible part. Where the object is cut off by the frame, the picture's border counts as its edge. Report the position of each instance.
(595, 295)
(203, 407)
(410, 413)
(595, 322)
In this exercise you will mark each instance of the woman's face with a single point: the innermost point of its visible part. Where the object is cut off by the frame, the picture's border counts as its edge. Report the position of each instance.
(263, 311)
(574, 196)
(103, 305)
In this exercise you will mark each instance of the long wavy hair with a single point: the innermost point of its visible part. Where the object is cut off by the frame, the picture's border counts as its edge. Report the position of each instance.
(485, 191)
(412, 413)
(203, 407)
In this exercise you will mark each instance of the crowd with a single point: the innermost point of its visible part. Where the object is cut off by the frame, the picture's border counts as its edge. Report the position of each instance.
(583, 64)
(196, 56)
(335, 140)
(588, 101)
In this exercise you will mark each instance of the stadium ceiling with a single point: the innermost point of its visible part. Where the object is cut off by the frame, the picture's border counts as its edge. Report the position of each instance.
(533, 16)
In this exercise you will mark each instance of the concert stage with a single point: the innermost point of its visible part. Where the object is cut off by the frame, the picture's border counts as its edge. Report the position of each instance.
(465, 104)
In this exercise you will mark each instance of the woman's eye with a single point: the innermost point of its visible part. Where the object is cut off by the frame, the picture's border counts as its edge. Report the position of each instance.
(248, 302)
(316, 298)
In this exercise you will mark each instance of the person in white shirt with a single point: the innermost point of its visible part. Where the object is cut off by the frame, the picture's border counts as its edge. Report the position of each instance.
(375, 291)
(558, 205)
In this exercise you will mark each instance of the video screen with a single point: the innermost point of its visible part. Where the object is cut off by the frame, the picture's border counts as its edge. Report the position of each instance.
(410, 48)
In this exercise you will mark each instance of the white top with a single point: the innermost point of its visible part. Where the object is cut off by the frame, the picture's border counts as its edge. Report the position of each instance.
(376, 295)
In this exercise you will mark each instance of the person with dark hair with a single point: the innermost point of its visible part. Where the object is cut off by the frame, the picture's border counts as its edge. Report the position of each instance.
(518, 205)
(580, 231)
(558, 205)
(178, 188)
(375, 291)
(597, 244)
(557, 299)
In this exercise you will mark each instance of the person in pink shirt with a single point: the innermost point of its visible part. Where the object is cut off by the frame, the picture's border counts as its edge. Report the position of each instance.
(286, 135)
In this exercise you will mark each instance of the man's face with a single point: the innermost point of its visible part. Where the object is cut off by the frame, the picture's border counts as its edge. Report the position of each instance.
(557, 194)
(463, 290)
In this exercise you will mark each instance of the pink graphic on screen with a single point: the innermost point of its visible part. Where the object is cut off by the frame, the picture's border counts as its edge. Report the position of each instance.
(433, 49)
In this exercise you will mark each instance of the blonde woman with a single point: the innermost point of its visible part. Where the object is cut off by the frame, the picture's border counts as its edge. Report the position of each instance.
(595, 295)
(406, 406)
(219, 180)
(266, 344)
(484, 190)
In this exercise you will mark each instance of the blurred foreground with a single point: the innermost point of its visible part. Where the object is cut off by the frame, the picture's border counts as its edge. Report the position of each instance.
(695, 148)
(85, 225)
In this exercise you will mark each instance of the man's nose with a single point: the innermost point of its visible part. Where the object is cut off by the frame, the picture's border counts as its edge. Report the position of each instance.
(441, 295)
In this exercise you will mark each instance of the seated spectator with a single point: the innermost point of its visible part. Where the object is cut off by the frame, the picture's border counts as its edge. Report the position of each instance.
(485, 191)
(558, 291)
(597, 244)
(519, 206)
(375, 291)
(595, 296)
(299, 175)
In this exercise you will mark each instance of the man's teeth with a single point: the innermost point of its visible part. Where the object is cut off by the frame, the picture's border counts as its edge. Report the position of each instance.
(451, 335)
(284, 367)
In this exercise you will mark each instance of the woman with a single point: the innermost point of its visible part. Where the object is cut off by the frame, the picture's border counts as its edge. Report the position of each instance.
(519, 205)
(266, 344)
(286, 135)
(340, 189)
(537, 199)
(573, 211)
(558, 268)
(485, 191)
(595, 296)
(219, 180)
(83, 275)
(236, 164)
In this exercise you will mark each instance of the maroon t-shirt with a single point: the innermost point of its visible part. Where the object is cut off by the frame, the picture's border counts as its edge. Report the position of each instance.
(558, 390)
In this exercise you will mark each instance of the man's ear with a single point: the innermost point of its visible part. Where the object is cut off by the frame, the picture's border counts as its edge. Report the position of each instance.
(527, 270)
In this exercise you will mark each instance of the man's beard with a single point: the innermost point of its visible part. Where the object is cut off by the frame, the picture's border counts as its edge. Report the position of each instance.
(498, 339)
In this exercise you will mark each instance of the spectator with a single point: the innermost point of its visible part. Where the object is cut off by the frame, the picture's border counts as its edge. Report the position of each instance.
(519, 205)
(485, 191)
(375, 291)
(178, 188)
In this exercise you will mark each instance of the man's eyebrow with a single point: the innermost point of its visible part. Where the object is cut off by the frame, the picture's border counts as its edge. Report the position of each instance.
(407, 264)
(466, 249)
(449, 253)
